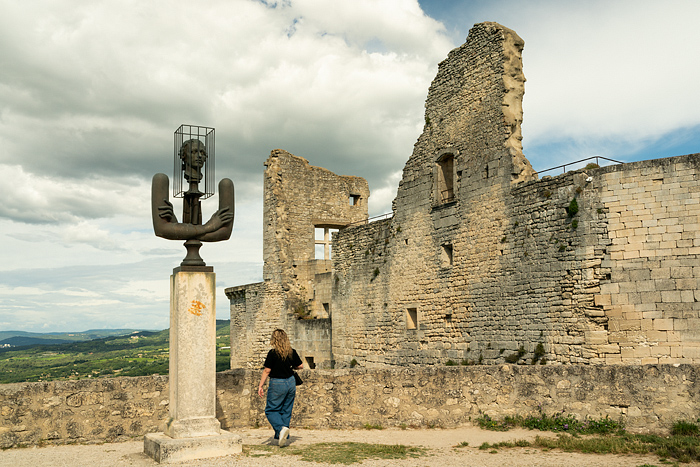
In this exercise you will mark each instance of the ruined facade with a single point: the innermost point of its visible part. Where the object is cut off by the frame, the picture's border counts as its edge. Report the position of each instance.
(303, 206)
(481, 261)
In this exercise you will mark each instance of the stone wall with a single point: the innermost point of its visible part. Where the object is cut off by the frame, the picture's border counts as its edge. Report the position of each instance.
(616, 282)
(652, 299)
(296, 295)
(248, 318)
(647, 398)
(483, 263)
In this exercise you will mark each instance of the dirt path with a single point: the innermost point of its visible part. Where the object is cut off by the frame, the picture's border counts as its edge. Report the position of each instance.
(440, 442)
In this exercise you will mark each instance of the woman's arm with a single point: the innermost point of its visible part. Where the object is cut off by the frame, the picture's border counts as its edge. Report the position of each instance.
(265, 374)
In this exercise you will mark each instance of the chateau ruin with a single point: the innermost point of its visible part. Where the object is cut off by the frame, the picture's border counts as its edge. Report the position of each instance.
(481, 262)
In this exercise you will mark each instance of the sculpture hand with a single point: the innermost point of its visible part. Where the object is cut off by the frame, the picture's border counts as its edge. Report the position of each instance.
(219, 219)
(166, 212)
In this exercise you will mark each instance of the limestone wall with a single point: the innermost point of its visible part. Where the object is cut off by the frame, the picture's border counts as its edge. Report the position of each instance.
(616, 282)
(652, 299)
(251, 316)
(296, 295)
(483, 263)
(647, 398)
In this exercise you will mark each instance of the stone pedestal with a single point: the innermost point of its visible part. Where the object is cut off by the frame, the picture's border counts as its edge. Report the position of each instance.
(162, 448)
(192, 431)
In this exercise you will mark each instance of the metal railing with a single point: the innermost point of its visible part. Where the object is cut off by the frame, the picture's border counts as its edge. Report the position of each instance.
(388, 215)
(578, 162)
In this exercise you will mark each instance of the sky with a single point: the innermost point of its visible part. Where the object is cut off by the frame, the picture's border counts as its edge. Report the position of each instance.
(91, 93)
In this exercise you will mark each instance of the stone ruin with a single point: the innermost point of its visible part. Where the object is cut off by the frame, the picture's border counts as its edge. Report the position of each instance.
(481, 261)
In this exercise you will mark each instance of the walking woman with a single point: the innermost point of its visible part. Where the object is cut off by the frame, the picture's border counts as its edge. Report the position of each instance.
(279, 365)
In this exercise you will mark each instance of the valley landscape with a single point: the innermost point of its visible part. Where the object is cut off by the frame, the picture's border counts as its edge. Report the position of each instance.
(113, 353)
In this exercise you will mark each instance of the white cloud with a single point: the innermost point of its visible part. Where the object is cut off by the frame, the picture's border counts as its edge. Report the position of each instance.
(609, 70)
(93, 91)
(381, 198)
(34, 198)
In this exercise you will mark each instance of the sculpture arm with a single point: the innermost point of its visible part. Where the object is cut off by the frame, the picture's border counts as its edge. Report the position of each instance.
(225, 213)
(165, 222)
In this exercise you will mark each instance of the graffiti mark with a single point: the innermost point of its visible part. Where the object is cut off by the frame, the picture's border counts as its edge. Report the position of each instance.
(197, 308)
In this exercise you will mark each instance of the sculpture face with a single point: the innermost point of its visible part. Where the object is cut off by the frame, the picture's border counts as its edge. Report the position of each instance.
(194, 156)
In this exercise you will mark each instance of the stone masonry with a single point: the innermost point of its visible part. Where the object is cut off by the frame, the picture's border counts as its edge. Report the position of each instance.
(647, 398)
(302, 206)
(482, 262)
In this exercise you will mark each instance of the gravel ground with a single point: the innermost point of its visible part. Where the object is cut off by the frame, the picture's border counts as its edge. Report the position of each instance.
(440, 443)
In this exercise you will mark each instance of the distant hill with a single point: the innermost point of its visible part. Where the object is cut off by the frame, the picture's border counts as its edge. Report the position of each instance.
(23, 338)
(19, 341)
(133, 353)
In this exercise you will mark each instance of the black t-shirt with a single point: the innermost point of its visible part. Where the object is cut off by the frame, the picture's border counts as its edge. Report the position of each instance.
(281, 368)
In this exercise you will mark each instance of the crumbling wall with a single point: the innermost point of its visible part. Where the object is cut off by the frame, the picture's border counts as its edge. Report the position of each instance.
(298, 199)
(253, 312)
(441, 262)
(493, 265)
(483, 263)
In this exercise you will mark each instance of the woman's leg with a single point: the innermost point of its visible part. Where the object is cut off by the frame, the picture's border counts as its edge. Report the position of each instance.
(276, 396)
(287, 404)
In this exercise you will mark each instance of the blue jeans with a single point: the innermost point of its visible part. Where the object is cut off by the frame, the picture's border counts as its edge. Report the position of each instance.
(280, 402)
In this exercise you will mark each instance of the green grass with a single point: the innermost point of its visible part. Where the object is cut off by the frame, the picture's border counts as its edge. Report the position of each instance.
(603, 436)
(340, 453)
(559, 422)
(369, 426)
(683, 448)
(137, 354)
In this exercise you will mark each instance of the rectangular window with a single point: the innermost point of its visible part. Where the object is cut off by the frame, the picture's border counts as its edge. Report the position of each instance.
(445, 179)
(319, 252)
(310, 362)
(354, 200)
(411, 318)
(446, 255)
(322, 241)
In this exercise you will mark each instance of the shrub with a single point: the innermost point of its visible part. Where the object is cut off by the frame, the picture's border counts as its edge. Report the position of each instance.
(539, 353)
(513, 358)
(683, 428)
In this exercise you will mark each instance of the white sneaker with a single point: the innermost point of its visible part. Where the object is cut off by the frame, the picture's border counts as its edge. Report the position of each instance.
(284, 436)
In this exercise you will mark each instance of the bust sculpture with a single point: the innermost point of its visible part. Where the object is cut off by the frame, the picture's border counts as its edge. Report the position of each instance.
(193, 156)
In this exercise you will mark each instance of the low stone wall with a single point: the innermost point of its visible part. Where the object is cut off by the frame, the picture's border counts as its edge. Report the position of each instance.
(648, 398)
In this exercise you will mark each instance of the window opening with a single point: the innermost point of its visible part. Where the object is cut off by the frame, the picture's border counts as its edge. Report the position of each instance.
(412, 318)
(445, 178)
(354, 200)
(326, 307)
(310, 362)
(322, 242)
(446, 256)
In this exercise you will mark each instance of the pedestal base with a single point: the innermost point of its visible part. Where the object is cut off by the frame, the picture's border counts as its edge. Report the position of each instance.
(193, 428)
(163, 448)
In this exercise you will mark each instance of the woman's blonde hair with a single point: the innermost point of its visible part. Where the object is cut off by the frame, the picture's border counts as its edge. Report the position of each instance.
(280, 342)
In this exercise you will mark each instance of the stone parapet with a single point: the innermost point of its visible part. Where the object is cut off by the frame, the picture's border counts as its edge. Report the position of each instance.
(647, 398)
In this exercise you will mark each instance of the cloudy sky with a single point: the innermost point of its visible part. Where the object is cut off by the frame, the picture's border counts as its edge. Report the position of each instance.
(91, 93)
